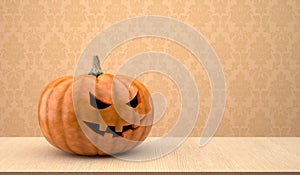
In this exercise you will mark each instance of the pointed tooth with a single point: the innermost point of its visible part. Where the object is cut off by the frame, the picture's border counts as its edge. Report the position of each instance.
(102, 127)
(119, 128)
(135, 126)
(126, 132)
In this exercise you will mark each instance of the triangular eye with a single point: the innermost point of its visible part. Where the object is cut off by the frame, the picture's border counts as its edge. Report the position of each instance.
(134, 102)
(96, 103)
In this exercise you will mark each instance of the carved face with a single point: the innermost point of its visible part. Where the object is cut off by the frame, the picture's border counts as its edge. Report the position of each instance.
(116, 125)
(112, 108)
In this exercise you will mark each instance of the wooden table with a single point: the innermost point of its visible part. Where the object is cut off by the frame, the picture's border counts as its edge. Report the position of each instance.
(222, 154)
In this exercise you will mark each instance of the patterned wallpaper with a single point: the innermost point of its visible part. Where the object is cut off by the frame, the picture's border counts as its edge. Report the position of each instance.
(258, 42)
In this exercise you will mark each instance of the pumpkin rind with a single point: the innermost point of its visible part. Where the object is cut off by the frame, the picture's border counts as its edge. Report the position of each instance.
(59, 123)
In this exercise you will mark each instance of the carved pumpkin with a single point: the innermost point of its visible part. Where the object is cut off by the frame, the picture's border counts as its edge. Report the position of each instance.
(95, 114)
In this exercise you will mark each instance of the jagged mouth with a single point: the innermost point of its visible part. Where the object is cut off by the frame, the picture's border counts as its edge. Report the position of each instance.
(111, 129)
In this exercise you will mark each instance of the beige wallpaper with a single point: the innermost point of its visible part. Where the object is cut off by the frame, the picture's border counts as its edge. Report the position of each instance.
(258, 43)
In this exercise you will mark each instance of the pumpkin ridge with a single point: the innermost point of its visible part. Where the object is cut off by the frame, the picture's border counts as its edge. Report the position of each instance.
(140, 88)
(44, 117)
(47, 111)
(125, 85)
(146, 127)
(145, 130)
(78, 135)
(46, 107)
(60, 102)
(143, 88)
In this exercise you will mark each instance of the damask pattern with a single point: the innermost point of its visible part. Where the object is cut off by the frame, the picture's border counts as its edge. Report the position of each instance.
(257, 41)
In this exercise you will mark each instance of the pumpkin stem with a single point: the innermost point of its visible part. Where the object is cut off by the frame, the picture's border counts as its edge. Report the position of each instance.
(96, 69)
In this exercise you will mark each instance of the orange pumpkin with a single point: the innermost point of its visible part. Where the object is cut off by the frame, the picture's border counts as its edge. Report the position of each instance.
(95, 114)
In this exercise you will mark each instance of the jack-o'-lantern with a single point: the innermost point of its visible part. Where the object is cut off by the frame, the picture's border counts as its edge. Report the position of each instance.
(95, 114)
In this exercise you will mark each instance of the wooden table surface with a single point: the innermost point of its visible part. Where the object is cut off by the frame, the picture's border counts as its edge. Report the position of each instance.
(221, 154)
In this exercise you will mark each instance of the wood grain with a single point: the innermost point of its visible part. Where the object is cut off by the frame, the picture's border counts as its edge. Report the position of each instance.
(222, 154)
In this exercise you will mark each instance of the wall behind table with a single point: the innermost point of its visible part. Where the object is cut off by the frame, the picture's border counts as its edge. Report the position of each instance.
(258, 43)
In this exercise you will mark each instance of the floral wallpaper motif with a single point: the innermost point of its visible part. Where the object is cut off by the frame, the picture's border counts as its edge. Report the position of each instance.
(258, 43)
